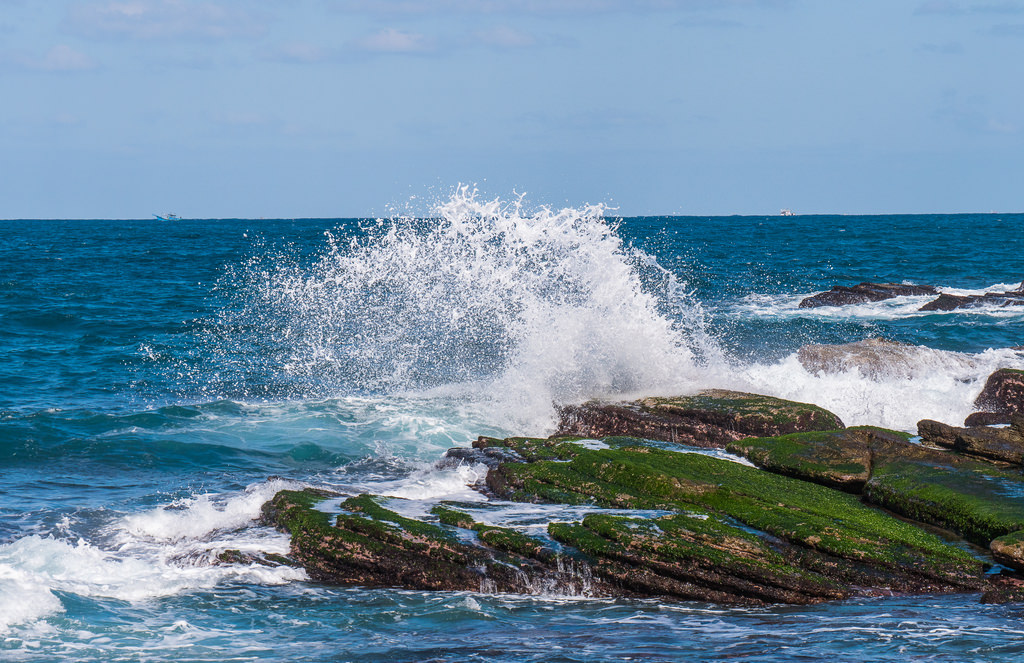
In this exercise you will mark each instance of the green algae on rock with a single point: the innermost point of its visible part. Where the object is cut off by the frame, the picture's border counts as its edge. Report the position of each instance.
(370, 545)
(840, 536)
(797, 528)
(1009, 550)
(710, 418)
(970, 497)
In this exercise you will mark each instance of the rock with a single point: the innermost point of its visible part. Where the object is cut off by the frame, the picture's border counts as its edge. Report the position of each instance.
(976, 500)
(987, 419)
(369, 545)
(837, 459)
(999, 444)
(817, 530)
(969, 497)
(947, 302)
(865, 292)
(1003, 392)
(711, 418)
(937, 433)
(489, 456)
(694, 527)
(1009, 550)
(873, 357)
(1004, 589)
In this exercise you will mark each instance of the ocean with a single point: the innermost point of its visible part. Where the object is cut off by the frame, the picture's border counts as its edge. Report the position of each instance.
(159, 381)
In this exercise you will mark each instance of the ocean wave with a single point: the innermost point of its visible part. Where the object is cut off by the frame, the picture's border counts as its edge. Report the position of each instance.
(485, 299)
(169, 550)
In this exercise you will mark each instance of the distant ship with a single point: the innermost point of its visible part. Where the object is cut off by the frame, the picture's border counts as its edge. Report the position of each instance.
(168, 217)
(786, 212)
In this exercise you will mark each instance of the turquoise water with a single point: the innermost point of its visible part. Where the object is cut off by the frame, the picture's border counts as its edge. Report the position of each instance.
(160, 381)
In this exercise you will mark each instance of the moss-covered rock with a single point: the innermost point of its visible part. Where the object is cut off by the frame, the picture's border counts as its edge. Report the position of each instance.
(1009, 550)
(852, 543)
(710, 418)
(973, 499)
(693, 555)
(370, 545)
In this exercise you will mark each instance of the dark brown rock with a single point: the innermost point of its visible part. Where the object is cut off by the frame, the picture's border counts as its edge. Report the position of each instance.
(1003, 392)
(987, 419)
(1000, 444)
(865, 292)
(712, 418)
(947, 302)
(1004, 589)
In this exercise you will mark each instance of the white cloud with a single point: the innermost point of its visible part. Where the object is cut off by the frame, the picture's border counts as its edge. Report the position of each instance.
(300, 52)
(954, 8)
(163, 19)
(504, 36)
(946, 48)
(391, 40)
(425, 7)
(60, 58)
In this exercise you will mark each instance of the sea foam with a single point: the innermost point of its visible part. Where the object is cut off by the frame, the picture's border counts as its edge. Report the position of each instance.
(484, 301)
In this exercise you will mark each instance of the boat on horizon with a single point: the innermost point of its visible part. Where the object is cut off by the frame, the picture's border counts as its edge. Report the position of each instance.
(168, 217)
(786, 212)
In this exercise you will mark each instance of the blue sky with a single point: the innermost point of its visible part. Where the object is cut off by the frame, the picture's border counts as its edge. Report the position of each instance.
(329, 108)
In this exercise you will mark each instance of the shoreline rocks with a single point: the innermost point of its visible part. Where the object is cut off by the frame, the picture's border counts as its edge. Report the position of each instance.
(712, 418)
(661, 520)
(863, 293)
(876, 292)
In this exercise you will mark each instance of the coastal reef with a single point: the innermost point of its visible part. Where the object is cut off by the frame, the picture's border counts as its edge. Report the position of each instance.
(863, 293)
(719, 496)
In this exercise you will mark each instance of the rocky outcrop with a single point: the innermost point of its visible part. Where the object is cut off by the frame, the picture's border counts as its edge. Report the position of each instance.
(1003, 392)
(865, 292)
(948, 302)
(1009, 550)
(659, 520)
(369, 545)
(712, 418)
(875, 292)
(872, 357)
(999, 444)
(815, 532)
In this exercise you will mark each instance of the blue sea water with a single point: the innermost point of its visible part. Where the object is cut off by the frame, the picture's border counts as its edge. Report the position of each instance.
(160, 381)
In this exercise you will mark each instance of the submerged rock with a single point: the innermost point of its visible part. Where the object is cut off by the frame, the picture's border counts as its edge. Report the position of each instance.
(711, 418)
(865, 292)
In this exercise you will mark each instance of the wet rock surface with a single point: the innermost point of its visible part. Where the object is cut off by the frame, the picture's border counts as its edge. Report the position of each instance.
(712, 418)
(662, 520)
(865, 292)
(872, 357)
(948, 302)
(1003, 392)
(1000, 444)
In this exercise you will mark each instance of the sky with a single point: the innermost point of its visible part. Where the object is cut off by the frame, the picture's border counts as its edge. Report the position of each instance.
(350, 108)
